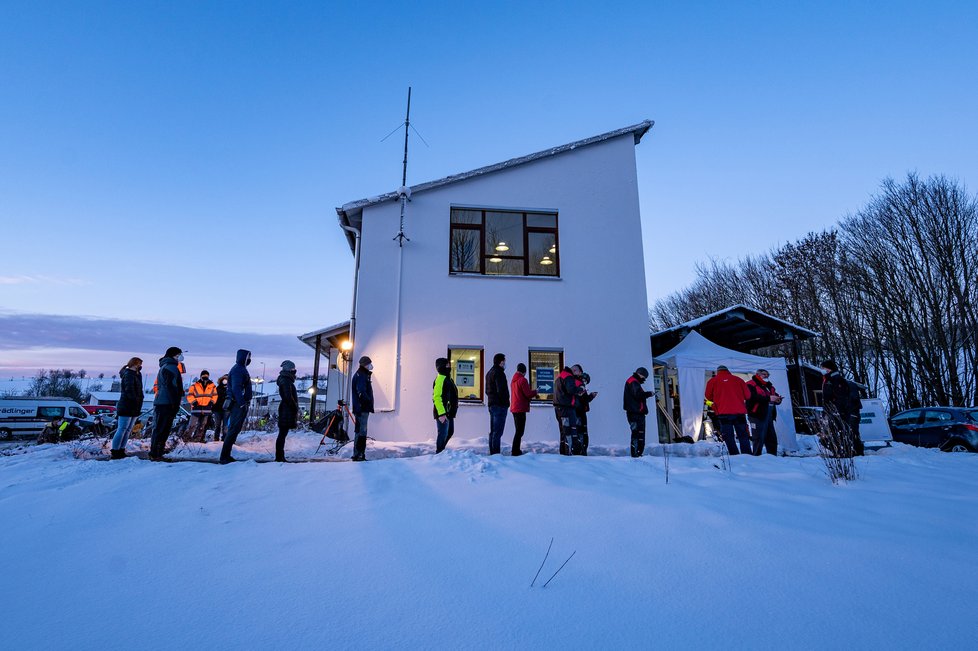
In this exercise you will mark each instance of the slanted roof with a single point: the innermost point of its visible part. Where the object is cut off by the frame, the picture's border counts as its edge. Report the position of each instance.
(738, 327)
(351, 213)
(329, 337)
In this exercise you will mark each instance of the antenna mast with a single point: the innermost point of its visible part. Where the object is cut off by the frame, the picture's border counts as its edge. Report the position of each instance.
(404, 192)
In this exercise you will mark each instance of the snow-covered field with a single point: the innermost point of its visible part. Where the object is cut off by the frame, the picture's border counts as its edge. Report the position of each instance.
(438, 552)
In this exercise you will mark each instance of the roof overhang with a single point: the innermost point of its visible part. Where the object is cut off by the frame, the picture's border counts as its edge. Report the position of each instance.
(738, 327)
(327, 338)
(351, 214)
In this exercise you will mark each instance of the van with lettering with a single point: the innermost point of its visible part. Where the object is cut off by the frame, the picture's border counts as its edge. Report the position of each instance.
(26, 417)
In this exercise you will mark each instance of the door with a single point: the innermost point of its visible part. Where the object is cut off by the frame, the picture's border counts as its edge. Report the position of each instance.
(904, 426)
(936, 427)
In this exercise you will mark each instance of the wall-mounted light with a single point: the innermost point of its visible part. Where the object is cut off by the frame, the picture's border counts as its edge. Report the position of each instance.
(346, 345)
(312, 391)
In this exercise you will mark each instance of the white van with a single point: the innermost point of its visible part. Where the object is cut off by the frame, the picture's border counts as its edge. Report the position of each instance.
(26, 416)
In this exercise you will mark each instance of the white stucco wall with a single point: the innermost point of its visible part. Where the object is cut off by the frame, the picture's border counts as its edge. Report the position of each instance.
(596, 311)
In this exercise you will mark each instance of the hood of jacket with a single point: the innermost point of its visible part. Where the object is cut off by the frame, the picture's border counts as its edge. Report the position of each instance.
(168, 361)
(242, 356)
(285, 378)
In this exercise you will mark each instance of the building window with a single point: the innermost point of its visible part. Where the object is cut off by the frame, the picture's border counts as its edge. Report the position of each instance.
(544, 367)
(466, 365)
(503, 243)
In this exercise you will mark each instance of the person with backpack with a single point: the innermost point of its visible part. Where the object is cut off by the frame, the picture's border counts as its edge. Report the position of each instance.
(729, 395)
(567, 389)
(497, 397)
(288, 408)
(166, 404)
(218, 413)
(520, 395)
(363, 406)
(237, 403)
(635, 404)
(840, 397)
(201, 396)
(129, 407)
(444, 396)
(762, 412)
(582, 407)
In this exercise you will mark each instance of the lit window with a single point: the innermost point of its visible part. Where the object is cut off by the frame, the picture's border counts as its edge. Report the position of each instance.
(503, 243)
(544, 367)
(466, 365)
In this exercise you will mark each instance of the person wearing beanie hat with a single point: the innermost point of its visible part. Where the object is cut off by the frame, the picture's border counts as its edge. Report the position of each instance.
(519, 404)
(288, 408)
(842, 402)
(362, 390)
(169, 395)
(202, 396)
(635, 404)
(497, 397)
(444, 395)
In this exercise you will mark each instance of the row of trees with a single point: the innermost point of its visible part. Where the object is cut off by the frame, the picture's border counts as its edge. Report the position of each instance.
(893, 290)
(63, 383)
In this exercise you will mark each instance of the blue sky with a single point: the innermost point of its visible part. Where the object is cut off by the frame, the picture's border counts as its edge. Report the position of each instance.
(180, 162)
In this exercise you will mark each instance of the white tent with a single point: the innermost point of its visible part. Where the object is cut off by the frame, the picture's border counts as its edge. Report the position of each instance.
(695, 355)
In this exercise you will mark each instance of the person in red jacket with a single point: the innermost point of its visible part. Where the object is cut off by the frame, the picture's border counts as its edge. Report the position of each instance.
(762, 412)
(729, 395)
(520, 395)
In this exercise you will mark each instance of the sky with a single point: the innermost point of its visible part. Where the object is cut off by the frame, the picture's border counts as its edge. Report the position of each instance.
(180, 162)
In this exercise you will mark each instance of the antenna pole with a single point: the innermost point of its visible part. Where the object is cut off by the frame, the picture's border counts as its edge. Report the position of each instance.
(401, 237)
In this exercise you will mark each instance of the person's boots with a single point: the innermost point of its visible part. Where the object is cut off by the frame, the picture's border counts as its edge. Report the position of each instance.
(359, 448)
(116, 454)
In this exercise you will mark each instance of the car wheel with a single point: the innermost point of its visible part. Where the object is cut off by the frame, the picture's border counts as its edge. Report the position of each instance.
(6, 434)
(957, 446)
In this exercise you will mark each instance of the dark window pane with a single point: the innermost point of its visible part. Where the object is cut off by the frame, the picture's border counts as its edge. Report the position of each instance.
(504, 233)
(496, 266)
(464, 250)
(460, 216)
(544, 367)
(543, 254)
(541, 220)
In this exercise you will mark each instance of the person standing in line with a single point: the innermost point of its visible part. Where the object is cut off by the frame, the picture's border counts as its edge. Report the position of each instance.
(363, 406)
(218, 413)
(729, 395)
(581, 407)
(762, 412)
(497, 396)
(288, 408)
(519, 404)
(201, 395)
(239, 399)
(842, 397)
(567, 391)
(166, 404)
(444, 395)
(129, 407)
(635, 404)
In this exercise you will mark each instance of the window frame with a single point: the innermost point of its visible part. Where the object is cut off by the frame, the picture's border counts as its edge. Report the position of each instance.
(527, 230)
(480, 375)
(529, 369)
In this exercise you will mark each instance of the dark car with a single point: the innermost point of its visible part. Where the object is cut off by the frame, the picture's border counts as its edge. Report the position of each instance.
(952, 429)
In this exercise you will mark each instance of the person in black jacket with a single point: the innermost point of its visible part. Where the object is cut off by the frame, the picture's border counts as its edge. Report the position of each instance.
(218, 413)
(841, 400)
(288, 408)
(444, 396)
(239, 401)
(130, 405)
(567, 393)
(636, 408)
(169, 395)
(581, 407)
(363, 406)
(497, 394)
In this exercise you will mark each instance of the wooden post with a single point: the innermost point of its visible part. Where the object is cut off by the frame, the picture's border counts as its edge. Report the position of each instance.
(315, 381)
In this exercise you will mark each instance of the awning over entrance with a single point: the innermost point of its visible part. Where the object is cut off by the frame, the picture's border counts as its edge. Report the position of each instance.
(326, 338)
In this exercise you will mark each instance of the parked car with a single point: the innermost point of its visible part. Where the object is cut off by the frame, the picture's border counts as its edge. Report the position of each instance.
(952, 429)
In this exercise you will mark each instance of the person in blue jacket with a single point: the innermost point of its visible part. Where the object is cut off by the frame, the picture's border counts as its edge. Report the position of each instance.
(239, 399)
(363, 406)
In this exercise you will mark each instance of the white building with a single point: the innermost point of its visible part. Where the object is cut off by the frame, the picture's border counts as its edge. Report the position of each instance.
(539, 257)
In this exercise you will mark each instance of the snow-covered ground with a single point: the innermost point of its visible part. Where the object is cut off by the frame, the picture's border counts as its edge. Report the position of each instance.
(413, 550)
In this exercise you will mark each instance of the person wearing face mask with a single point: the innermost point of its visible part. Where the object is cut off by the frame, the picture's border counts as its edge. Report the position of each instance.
(218, 413)
(444, 395)
(363, 405)
(519, 404)
(762, 412)
(567, 393)
(636, 408)
(288, 408)
(169, 395)
(239, 399)
(202, 395)
(130, 405)
(497, 394)
(582, 405)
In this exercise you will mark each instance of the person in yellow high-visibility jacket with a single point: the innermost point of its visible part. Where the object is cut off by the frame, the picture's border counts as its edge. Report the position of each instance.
(444, 395)
(202, 396)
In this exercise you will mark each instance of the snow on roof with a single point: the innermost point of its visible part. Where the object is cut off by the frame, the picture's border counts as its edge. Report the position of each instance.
(346, 210)
(326, 333)
(739, 306)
